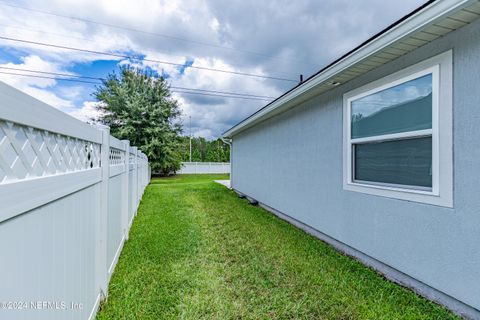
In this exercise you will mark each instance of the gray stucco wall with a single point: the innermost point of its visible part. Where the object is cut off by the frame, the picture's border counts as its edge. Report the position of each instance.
(293, 163)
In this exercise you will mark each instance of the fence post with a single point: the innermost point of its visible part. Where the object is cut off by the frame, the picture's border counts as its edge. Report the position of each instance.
(231, 163)
(137, 164)
(135, 182)
(142, 180)
(101, 225)
(125, 199)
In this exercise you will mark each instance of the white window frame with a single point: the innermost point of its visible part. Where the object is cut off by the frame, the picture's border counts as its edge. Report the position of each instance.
(441, 193)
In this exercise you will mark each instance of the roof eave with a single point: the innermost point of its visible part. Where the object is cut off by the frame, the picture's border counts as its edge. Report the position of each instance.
(421, 19)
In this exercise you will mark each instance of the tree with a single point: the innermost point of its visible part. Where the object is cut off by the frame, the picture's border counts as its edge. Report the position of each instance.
(204, 150)
(139, 107)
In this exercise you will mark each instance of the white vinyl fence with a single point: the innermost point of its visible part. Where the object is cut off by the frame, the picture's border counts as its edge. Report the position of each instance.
(204, 167)
(68, 195)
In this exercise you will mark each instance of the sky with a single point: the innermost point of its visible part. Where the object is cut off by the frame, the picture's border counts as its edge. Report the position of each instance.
(278, 39)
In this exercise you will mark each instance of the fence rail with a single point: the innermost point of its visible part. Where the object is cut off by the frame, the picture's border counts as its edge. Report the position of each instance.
(68, 195)
(204, 167)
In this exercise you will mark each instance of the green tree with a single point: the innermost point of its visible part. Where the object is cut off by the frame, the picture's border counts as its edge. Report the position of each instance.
(139, 107)
(204, 150)
(196, 155)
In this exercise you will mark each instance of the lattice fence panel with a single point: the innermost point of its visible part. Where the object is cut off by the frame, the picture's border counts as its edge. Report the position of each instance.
(27, 152)
(117, 156)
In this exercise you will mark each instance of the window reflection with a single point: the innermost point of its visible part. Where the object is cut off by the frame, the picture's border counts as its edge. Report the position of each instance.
(402, 108)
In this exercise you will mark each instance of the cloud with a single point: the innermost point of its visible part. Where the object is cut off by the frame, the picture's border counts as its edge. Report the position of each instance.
(71, 92)
(50, 98)
(29, 62)
(276, 38)
(36, 87)
(87, 112)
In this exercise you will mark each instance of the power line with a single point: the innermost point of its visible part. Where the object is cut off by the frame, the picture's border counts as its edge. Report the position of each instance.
(225, 92)
(45, 77)
(53, 73)
(62, 35)
(118, 55)
(104, 79)
(5, 3)
(70, 37)
(222, 96)
(176, 91)
(45, 32)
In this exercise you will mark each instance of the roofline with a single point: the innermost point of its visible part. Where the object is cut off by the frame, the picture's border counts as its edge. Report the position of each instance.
(420, 17)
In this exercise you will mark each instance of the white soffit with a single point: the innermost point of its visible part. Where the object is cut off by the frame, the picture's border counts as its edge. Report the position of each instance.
(432, 22)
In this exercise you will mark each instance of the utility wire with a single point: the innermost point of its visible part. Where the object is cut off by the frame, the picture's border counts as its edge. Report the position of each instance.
(225, 92)
(62, 35)
(104, 79)
(53, 73)
(45, 77)
(176, 91)
(222, 96)
(118, 55)
(36, 30)
(5, 3)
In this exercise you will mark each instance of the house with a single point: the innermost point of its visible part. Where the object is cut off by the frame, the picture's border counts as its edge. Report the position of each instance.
(378, 154)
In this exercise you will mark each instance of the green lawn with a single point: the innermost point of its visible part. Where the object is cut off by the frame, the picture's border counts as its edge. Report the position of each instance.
(197, 251)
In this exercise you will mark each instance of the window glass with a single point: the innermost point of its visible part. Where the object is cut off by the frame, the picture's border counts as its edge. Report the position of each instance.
(400, 162)
(402, 108)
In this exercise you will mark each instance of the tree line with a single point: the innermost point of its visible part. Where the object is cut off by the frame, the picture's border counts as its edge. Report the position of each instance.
(204, 150)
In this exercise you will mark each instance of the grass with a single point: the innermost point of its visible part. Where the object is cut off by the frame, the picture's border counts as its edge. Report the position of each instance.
(196, 251)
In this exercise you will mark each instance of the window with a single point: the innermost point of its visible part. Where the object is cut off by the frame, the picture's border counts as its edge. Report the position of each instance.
(398, 134)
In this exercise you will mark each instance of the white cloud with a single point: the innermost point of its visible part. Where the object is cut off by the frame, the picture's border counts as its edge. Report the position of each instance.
(36, 87)
(50, 98)
(32, 62)
(214, 24)
(87, 112)
(280, 38)
(71, 92)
